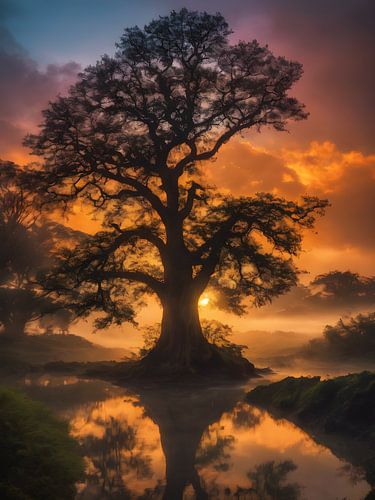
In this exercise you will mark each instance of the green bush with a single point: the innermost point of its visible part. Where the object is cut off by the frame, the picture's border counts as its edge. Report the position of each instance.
(38, 458)
(343, 404)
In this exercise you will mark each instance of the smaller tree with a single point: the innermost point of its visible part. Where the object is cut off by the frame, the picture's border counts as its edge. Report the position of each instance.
(26, 242)
(351, 338)
(355, 337)
(345, 286)
(60, 320)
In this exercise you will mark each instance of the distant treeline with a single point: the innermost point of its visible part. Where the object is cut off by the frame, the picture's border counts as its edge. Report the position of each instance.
(351, 338)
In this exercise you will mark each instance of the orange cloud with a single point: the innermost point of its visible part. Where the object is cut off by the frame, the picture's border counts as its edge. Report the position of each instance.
(346, 178)
(242, 169)
(322, 166)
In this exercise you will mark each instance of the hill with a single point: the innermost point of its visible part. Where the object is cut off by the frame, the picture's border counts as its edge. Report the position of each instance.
(20, 354)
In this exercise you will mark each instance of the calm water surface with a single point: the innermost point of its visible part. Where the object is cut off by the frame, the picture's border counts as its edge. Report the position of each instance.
(192, 445)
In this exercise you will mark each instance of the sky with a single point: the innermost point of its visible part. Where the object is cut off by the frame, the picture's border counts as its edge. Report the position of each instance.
(43, 45)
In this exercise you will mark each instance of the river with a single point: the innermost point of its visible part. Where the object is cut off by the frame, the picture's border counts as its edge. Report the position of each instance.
(175, 444)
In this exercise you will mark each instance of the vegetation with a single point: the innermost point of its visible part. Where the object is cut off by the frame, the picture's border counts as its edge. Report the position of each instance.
(343, 404)
(351, 339)
(345, 287)
(27, 240)
(131, 141)
(330, 410)
(38, 458)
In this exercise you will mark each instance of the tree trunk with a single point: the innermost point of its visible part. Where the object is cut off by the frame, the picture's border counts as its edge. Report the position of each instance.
(182, 348)
(182, 417)
(181, 342)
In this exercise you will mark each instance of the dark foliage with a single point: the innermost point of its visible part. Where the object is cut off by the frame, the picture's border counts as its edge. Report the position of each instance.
(343, 404)
(348, 339)
(38, 458)
(25, 253)
(345, 285)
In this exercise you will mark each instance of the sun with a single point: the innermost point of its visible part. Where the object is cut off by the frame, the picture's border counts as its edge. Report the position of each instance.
(204, 301)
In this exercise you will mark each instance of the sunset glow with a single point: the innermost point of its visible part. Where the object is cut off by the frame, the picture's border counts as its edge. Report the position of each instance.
(187, 249)
(204, 301)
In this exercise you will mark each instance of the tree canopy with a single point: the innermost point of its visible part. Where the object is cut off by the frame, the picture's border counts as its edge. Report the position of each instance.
(26, 253)
(345, 286)
(131, 140)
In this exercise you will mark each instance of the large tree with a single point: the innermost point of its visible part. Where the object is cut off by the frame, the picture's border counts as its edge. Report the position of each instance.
(132, 139)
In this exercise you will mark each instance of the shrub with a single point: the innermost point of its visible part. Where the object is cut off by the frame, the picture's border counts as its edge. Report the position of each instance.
(38, 458)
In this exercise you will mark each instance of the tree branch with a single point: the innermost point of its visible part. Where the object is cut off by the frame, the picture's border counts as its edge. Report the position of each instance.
(144, 233)
(192, 191)
(136, 276)
(142, 189)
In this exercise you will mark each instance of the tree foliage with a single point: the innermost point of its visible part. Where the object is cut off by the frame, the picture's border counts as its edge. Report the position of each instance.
(27, 241)
(131, 140)
(350, 338)
(345, 286)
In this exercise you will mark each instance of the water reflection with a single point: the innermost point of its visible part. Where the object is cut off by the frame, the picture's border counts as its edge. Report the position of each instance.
(112, 457)
(205, 444)
(269, 481)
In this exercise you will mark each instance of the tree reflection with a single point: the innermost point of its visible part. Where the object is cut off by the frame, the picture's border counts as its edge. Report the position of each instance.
(214, 449)
(245, 416)
(112, 456)
(268, 482)
(193, 437)
(183, 418)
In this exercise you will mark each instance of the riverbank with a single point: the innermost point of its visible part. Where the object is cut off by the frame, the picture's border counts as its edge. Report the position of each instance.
(338, 413)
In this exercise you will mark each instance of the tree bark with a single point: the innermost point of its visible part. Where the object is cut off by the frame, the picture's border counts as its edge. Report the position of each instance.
(182, 348)
(181, 341)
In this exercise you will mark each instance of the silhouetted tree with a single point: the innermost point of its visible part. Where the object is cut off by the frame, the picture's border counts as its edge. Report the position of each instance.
(131, 139)
(345, 287)
(25, 252)
(22, 254)
(59, 319)
(214, 332)
(352, 338)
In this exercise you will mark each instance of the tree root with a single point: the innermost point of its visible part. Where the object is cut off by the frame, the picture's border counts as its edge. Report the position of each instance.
(221, 365)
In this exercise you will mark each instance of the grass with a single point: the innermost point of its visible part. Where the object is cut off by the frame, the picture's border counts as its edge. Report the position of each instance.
(344, 404)
(38, 458)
